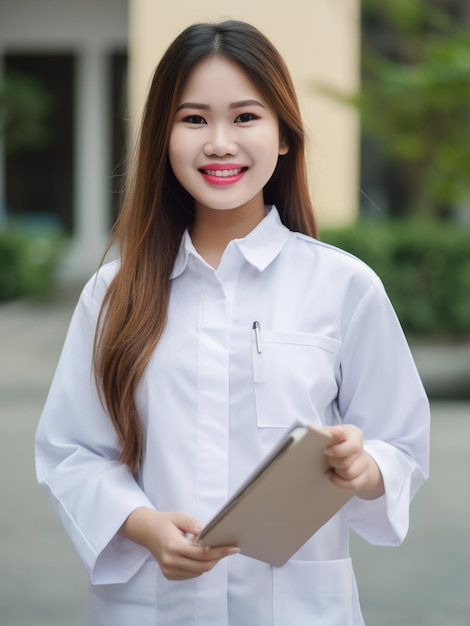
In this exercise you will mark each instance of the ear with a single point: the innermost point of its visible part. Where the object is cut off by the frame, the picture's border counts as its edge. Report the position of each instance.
(283, 146)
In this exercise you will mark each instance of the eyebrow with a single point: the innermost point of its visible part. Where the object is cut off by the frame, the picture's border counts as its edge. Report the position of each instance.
(233, 105)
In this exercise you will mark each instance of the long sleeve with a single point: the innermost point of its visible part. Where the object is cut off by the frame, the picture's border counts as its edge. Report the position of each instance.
(382, 394)
(212, 407)
(77, 452)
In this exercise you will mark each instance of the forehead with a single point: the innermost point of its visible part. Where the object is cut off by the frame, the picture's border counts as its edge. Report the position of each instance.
(219, 78)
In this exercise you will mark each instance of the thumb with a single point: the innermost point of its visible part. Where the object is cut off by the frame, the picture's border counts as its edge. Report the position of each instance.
(337, 432)
(187, 524)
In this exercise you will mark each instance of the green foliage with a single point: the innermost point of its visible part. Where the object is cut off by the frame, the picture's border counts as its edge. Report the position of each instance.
(424, 265)
(28, 263)
(415, 97)
(25, 106)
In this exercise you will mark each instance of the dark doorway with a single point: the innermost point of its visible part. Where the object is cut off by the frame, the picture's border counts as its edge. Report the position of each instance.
(39, 182)
(119, 127)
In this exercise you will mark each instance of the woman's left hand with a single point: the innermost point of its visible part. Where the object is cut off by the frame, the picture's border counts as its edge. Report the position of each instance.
(351, 466)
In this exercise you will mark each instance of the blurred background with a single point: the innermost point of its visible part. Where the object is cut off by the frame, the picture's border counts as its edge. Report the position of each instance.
(385, 95)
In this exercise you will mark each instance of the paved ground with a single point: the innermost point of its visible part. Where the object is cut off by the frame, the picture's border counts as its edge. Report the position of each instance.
(425, 582)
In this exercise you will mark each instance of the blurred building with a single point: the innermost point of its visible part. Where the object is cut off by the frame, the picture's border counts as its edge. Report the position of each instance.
(79, 51)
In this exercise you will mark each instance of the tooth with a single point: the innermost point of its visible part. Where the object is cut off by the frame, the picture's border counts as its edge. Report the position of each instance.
(224, 173)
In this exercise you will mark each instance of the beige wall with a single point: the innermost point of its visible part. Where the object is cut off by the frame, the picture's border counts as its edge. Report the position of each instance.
(319, 40)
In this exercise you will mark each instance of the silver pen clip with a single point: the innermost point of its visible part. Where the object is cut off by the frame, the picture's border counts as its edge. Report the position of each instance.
(257, 329)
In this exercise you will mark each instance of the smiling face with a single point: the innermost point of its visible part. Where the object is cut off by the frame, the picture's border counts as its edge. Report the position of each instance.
(225, 141)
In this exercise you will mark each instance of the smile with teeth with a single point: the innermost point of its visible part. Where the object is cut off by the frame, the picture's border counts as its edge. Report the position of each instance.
(224, 173)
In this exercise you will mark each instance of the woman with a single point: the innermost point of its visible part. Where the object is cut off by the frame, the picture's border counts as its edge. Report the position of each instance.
(163, 403)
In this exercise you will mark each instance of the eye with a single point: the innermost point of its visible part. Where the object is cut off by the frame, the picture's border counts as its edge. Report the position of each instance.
(245, 117)
(194, 119)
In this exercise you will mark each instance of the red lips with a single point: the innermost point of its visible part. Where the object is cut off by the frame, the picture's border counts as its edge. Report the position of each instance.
(221, 174)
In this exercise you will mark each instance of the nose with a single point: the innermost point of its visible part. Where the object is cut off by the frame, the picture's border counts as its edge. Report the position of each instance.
(220, 141)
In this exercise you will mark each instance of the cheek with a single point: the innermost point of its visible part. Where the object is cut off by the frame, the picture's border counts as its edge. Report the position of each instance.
(173, 149)
(178, 155)
(269, 142)
(269, 152)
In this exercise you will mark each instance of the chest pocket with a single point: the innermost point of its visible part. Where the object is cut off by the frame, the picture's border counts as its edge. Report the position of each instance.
(293, 376)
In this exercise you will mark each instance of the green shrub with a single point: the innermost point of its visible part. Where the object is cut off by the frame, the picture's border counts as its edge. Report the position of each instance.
(424, 265)
(28, 263)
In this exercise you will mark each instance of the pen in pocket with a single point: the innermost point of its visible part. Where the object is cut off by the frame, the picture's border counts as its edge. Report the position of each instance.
(257, 329)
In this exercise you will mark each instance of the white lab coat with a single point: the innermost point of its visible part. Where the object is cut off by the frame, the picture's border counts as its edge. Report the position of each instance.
(212, 407)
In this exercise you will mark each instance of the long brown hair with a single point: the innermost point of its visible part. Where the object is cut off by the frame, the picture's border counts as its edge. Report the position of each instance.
(156, 211)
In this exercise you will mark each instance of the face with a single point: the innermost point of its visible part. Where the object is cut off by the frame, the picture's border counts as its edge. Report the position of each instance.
(225, 141)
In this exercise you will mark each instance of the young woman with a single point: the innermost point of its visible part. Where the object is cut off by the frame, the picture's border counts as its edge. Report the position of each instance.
(163, 403)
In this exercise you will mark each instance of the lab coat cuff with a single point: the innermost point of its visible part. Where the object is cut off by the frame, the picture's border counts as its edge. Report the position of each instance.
(120, 558)
(385, 520)
(93, 524)
(118, 562)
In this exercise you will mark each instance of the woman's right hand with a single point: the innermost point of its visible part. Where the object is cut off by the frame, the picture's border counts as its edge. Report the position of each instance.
(165, 536)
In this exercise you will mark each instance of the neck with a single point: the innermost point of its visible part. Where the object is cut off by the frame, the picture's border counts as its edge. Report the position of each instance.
(213, 230)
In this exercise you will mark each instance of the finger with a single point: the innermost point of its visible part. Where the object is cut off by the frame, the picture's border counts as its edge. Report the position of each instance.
(208, 553)
(340, 445)
(188, 569)
(346, 483)
(180, 574)
(348, 473)
(183, 567)
(186, 524)
(351, 446)
(337, 432)
(344, 463)
(180, 566)
(351, 468)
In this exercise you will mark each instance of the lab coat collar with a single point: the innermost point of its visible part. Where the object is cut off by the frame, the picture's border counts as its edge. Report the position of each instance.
(260, 247)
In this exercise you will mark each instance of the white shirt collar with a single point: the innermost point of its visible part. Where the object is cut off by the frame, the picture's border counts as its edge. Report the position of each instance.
(259, 248)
